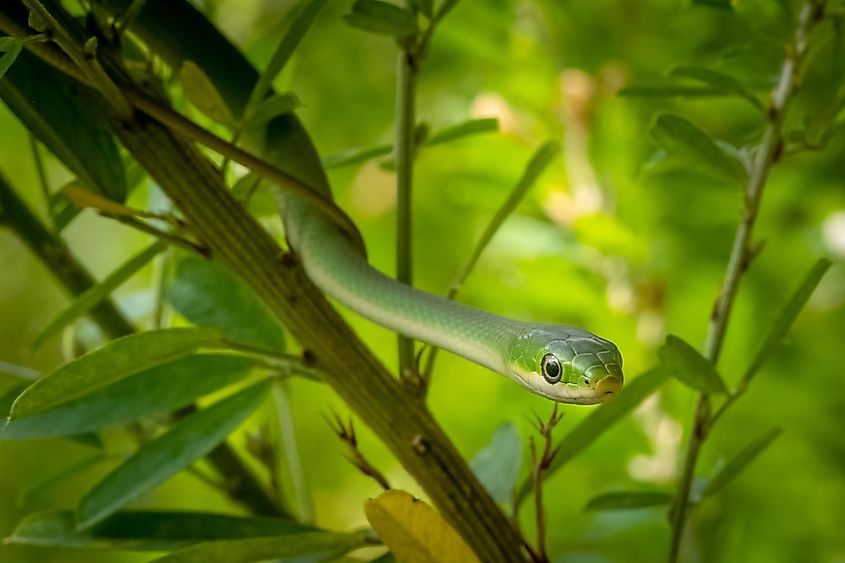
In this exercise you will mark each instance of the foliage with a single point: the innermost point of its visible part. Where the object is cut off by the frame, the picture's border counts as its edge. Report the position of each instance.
(683, 127)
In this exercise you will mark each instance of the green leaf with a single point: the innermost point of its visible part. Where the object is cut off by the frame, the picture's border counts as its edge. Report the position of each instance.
(145, 531)
(156, 461)
(600, 420)
(310, 547)
(787, 316)
(737, 465)
(98, 292)
(110, 363)
(540, 160)
(208, 295)
(271, 108)
(297, 23)
(62, 115)
(159, 389)
(11, 50)
(202, 94)
(719, 80)
(355, 156)
(626, 500)
(693, 147)
(497, 465)
(465, 129)
(684, 363)
(381, 17)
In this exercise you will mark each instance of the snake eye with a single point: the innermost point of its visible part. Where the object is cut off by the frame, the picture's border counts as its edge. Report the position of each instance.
(551, 368)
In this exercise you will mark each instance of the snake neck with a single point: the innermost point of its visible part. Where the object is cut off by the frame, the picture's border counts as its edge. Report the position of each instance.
(334, 265)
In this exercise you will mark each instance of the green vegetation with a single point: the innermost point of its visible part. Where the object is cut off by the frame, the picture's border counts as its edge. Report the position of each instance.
(667, 175)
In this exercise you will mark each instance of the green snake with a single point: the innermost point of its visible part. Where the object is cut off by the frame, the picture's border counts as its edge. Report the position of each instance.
(559, 362)
(562, 363)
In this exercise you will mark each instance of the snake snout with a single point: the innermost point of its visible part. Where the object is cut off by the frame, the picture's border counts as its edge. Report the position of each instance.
(608, 387)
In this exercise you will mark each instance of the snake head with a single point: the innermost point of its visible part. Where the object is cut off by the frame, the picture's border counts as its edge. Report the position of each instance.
(567, 365)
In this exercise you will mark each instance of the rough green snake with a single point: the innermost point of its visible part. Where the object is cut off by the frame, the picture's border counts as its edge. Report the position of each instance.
(562, 363)
(559, 362)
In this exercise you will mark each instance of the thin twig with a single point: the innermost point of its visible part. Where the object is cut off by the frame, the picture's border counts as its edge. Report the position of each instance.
(539, 467)
(355, 457)
(768, 153)
(173, 239)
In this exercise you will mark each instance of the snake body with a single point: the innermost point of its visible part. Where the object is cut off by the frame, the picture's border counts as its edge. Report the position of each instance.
(562, 363)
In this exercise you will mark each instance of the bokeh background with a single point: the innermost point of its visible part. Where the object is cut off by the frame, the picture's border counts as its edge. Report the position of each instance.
(606, 240)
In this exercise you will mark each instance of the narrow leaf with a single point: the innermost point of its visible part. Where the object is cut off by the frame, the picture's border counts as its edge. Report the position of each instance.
(737, 465)
(787, 316)
(110, 363)
(382, 17)
(355, 156)
(159, 389)
(271, 108)
(202, 94)
(465, 129)
(691, 145)
(625, 500)
(208, 295)
(684, 363)
(540, 160)
(62, 115)
(145, 531)
(600, 420)
(297, 25)
(310, 547)
(719, 80)
(497, 465)
(98, 292)
(413, 531)
(156, 461)
(12, 50)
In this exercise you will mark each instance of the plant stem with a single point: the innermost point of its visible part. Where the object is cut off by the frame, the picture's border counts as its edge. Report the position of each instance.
(766, 156)
(405, 120)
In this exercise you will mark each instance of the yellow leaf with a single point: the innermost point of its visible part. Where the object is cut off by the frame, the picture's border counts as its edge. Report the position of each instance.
(202, 94)
(414, 532)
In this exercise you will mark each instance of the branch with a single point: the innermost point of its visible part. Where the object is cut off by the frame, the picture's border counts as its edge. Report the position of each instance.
(767, 155)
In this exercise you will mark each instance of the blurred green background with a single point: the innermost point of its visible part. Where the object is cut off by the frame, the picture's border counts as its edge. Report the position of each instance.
(605, 240)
